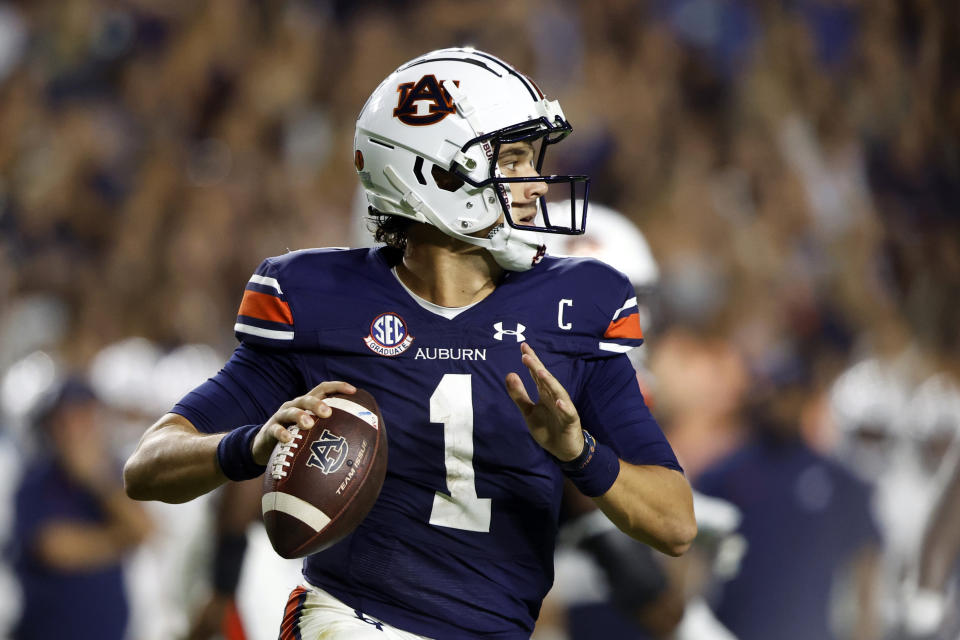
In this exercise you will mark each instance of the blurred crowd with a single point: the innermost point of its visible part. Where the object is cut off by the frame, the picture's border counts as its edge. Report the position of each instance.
(793, 164)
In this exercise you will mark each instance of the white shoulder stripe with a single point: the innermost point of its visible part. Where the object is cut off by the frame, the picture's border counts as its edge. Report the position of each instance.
(263, 333)
(632, 302)
(357, 410)
(294, 506)
(266, 281)
(613, 346)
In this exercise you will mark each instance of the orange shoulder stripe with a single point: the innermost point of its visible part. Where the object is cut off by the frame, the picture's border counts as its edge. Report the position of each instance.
(627, 327)
(264, 306)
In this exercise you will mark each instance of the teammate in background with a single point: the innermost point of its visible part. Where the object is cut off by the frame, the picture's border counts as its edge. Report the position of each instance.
(930, 592)
(450, 149)
(607, 584)
(806, 522)
(896, 432)
(236, 508)
(74, 526)
(137, 380)
(929, 595)
(613, 239)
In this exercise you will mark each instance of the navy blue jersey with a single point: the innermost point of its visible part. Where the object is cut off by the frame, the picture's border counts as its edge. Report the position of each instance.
(460, 542)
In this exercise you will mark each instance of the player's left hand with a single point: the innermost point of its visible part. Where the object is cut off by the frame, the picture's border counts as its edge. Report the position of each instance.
(553, 420)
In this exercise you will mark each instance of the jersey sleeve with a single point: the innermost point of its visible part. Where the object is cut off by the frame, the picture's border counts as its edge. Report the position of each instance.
(248, 390)
(265, 317)
(623, 331)
(265, 370)
(612, 408)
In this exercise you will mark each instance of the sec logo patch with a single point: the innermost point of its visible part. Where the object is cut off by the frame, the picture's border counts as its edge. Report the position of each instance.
(388, 335)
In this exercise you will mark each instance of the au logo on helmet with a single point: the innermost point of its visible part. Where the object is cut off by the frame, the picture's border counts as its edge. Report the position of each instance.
(424, 101)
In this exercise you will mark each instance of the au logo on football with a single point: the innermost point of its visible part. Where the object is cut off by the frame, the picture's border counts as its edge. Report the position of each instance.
(388, 335)
(328, 452)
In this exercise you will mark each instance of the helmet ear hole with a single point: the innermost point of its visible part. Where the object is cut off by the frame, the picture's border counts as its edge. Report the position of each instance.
(446, 180)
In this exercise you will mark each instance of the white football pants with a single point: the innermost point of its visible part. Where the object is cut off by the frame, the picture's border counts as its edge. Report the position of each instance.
(312, 614)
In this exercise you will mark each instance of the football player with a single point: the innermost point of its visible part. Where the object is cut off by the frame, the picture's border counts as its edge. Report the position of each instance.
(607, 584)
(450, 149)
(929, 593)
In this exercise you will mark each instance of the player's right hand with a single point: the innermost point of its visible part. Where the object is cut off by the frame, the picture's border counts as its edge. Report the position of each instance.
(300, 412)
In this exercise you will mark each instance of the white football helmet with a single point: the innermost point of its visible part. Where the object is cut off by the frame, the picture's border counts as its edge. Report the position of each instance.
(427, 143)
(615, 239)
(868, 404)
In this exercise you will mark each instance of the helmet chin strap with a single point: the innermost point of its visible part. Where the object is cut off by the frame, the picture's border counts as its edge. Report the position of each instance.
(509, 249)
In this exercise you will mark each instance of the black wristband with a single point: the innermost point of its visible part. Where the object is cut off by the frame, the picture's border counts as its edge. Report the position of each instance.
(589, 448)
(235, 454)
(595, 470)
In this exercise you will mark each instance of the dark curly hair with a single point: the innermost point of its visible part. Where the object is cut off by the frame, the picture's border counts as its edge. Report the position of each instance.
(392, 230)
(389, 229)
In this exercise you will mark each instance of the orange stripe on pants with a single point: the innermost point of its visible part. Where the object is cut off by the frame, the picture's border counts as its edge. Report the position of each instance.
(290, 627)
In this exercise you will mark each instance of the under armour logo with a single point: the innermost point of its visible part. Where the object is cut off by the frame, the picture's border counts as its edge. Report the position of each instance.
(368, 620)
(517, 333)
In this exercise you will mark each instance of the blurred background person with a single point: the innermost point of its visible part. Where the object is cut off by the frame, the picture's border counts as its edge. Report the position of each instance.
(811, 540)
(183, 579)
(896, 433)
(73, 525)
(929, 590)
(218, 616)
(607, 584)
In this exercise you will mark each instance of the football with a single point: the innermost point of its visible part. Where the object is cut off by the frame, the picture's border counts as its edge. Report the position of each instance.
(320, 486)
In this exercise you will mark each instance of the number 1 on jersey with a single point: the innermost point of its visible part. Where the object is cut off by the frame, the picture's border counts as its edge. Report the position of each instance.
(452, 405)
